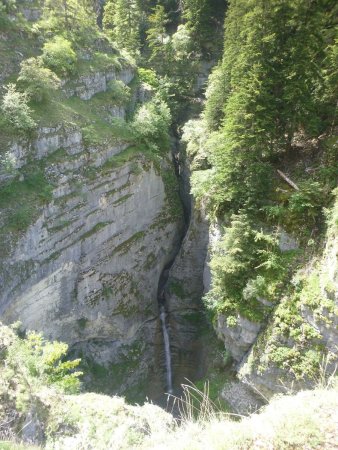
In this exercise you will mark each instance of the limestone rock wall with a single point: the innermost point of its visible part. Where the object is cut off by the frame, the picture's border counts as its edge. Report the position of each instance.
(86, 270)
(261, 369)
(86, 86)
(187, 323)
(273, 358)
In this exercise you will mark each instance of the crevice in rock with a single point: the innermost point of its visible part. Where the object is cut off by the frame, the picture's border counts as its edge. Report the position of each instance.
(163, 280)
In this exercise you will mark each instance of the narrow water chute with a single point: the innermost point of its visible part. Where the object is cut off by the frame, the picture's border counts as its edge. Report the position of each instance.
(167, 353)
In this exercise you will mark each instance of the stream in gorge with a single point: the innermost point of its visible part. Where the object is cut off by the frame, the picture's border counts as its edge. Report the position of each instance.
(181, 351)
(163, 280)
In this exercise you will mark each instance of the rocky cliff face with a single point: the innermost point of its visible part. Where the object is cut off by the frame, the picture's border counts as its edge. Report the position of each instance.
(190, 330)
(187, 323)
(86, 269)
(310, 345)
(297, 346)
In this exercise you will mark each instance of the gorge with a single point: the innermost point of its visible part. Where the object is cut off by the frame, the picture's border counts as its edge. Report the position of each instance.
(168, 210)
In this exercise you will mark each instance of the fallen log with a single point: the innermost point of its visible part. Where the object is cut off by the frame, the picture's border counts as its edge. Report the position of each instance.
(285, 178)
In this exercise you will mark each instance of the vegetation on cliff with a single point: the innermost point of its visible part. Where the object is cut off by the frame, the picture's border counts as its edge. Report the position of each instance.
(265, 166)
(265, 163)
(37, 408)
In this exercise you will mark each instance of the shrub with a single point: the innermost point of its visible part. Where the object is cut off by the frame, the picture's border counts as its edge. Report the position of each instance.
(151, 123)
(16, 110)
(148, 76)
(8, 163)
(33, 362)
(246, 264)
(6, 7)
(182, 42)
(37, 81)
(120, 92)
(305, 206)
(59, 56)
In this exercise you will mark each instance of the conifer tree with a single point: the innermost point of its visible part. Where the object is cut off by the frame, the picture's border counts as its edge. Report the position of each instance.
(156, 34)
(127, 19)
(75, 17)
(108, 17)
(267, 83)
(202, 16)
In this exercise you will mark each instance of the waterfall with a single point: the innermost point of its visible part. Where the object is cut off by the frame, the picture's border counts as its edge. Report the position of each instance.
(166, 350)
(165, 273)
(166, 340)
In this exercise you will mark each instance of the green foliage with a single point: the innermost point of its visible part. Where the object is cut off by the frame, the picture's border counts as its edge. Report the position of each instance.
(29, 363)
(301, 212)
(202, 185)
(329, 72)
(333, 214)
(41, 361)
(7, 163)
(37, 81)
(156, 34)
(216, 94)
(306, 204)
(171, 56)
(123, 21)
(195, 136)
(16, 111)
(264, 104)
(59, 56)
(301, 363)
(246, 265)
(177, 288)
(266, 89)
(151, 124)
(202, 17)
(182, 43)
(119, 91)
(20, 199)
(6, 7)
(73, 18)
(302, 355)
(295, 340)
(148, 76)
(108, 17)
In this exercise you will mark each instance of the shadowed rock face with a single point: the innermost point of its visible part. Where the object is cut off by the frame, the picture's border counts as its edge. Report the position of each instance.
(184, 292)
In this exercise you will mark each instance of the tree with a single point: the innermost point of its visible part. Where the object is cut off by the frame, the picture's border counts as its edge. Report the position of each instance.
(201, 17)
(6, 7)
(76, 18)
(59, 56)
(151, 124)
(16, 110)
(33, 363)
(157, 37)
(108, 17)
(267, 85)
(217, 92)
(126, 29)
(37, 81)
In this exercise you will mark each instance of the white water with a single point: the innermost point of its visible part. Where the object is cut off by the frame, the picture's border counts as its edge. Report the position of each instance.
(166, 350)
